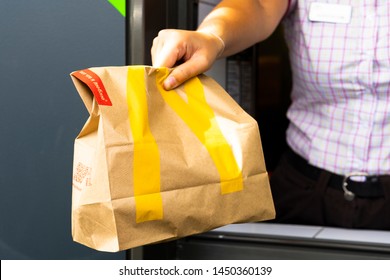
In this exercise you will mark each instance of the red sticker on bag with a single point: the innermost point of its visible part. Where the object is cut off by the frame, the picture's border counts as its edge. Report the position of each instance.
(95, 84)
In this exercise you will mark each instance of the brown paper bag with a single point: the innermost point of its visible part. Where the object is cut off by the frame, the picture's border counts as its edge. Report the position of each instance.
(153, 165)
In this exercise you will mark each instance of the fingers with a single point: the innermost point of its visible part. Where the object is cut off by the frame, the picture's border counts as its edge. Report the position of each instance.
(164, 53)
(168, 48)
(185, 71)
(196, 50)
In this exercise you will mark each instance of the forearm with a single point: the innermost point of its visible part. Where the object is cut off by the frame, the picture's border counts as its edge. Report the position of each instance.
(242, 23)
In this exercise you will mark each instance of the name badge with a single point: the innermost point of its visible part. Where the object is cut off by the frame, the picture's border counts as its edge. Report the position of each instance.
(332, 13)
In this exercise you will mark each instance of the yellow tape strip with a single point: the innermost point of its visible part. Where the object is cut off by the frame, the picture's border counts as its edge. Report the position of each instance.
(200, 118)
(148, 200)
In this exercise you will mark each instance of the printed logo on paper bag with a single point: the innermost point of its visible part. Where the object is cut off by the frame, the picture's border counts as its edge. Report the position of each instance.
(147, 192)
(148, 200)
(200, 118)
(95, 84)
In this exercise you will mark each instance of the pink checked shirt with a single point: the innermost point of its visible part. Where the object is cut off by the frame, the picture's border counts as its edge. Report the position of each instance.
(340, 115)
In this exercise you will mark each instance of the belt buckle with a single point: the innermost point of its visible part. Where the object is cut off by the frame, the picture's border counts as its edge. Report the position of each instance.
(348, 195)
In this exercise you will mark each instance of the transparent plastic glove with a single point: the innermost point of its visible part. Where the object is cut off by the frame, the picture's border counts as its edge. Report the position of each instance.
(190, 53)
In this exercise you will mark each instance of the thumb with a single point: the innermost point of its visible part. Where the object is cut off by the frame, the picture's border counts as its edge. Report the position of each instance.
(184, 72)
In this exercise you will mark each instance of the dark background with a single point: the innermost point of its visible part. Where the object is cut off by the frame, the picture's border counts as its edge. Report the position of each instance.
(41, 42)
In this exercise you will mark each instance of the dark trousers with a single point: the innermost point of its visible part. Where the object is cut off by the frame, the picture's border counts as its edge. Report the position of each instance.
(301, 200)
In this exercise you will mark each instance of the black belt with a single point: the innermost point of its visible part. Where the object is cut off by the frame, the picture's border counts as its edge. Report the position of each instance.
(369, 188)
